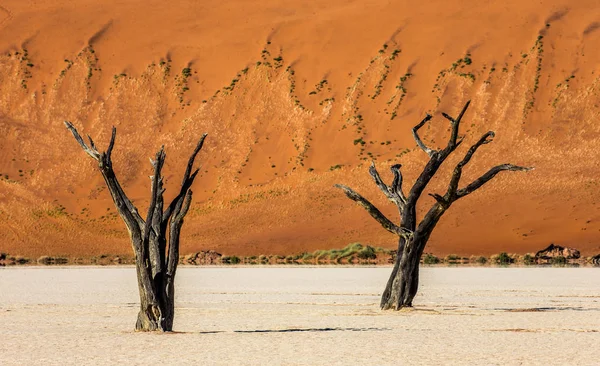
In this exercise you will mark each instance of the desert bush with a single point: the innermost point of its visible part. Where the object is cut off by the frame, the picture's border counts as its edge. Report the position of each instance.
(307, 257)
(319, 254)
(503, 258)
(481, 260)
(559, 260)
(230, 259)
(452, 258)
(46, 260)
(350, 252)
(21, 260)
(430, 259)
(528, 259)
(367, 253)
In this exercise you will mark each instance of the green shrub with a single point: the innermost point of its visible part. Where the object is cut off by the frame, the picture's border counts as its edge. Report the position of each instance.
(430, 259)
(504, 258)
(452, 258)
(367, 252)
(21, 260)
(528, 259)
(319, 254)
(230, 259)
(559, 260)
(481, 260)
(306, 256)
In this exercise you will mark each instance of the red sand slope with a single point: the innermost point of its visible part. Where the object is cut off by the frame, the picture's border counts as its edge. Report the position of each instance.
(331, 73)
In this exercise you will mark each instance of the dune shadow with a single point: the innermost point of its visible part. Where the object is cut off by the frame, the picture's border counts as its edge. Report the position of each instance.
(290, 330)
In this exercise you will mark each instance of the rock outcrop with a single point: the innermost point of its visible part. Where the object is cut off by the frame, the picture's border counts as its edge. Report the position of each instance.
(203, 258)
(555, 251)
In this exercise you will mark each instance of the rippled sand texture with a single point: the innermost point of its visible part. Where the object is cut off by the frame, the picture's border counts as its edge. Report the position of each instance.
(299, 316)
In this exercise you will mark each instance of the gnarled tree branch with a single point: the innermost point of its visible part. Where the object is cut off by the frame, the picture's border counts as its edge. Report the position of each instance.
(394, 192)
(186, 183)
(436, 159)
(477, 183)
(403, 282)
(155, 271)
(90, 151)
(397, 182)
(457, 173)
(453, 142)
(417, 138)
(374, 211)
(124, 206)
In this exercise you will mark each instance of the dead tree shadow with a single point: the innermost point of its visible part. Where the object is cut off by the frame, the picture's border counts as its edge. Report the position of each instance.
(337, 329)
(551, 308)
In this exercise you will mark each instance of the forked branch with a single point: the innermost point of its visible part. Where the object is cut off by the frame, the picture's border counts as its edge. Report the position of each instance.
(186, 183)
(477, 183)
(456, 174)
(417, 138)
(437, 158)
(91, 151)
(394, 192)
(126, 209)
(374, 212)
(453, 142)
(155, 267)
(453, 193)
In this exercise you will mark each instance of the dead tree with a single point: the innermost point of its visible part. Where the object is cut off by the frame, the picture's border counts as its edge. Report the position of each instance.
(155, 241)
(403, 283)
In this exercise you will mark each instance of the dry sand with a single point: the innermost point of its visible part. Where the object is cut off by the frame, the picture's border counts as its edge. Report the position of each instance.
(304, 316)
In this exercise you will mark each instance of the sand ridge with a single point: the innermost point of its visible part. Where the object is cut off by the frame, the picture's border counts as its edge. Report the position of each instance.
(295, 98)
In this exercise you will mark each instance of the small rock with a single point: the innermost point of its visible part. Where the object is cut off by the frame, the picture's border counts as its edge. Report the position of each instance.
(45, 260)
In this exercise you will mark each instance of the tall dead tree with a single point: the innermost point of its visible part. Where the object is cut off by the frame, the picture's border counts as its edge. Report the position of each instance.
(403, 283)
(155, 241)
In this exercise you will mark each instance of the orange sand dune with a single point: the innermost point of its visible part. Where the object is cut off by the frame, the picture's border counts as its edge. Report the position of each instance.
(296, 97)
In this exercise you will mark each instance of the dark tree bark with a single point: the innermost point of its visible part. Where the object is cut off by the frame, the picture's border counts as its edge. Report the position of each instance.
(155, 241)
(403, 283)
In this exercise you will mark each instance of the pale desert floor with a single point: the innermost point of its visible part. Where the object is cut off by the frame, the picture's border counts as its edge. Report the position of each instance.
(292, 316)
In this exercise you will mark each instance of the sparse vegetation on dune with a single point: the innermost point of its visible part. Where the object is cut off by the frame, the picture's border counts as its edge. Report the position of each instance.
(356, 106)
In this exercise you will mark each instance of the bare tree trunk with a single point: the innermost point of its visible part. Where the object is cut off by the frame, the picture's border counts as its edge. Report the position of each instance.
(403, 284)
(156, 264)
